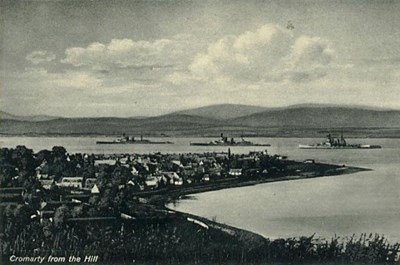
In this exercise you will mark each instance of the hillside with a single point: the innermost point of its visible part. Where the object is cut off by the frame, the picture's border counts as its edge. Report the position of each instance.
(107, 126)
(321, 117)
(292, 121)
(8, 116)
(223, 111)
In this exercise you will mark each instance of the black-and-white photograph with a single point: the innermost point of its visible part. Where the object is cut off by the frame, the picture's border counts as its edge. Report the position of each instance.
(180, 132)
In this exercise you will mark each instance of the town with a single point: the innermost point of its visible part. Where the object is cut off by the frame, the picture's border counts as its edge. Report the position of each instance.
(113, 206)
(82, 176)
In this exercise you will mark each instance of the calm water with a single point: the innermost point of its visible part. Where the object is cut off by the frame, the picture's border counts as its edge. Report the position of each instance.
(88, 145)
(342, 205)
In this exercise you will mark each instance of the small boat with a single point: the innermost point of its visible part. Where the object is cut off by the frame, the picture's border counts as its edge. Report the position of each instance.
(131, 140)
(223, 141)
(338, 143)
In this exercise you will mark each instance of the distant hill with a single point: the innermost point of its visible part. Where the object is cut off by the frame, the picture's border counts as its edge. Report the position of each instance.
(234, 120)
(223, 111)
(108, 126)
(316, 105)
(319, 116)
(8, 116)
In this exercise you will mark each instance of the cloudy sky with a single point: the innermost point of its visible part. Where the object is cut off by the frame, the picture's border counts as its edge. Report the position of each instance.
(129, 58)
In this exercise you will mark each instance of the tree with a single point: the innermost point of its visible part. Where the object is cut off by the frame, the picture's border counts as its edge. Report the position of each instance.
(105, 204)
(59, 163)
(22, 215)
(43, 155)
(77, 211)
(59, 152)
(61, 215)
(7, 172)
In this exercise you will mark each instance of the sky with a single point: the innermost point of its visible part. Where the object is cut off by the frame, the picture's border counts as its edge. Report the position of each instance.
(145, 58)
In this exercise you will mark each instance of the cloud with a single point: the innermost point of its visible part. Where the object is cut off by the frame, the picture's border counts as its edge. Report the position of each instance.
(78, 80)
(68, 79)
(37, 57)
(391, 61)
(127, 53)
(268, 54)
(308, 59)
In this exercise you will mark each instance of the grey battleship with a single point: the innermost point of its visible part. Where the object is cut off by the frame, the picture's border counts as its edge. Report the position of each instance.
(131, 140)
(338, 143)
(224, 141)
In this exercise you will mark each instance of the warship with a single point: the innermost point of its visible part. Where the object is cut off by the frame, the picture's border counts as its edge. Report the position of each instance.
(224, 141)
(338, 143)
(131, 140)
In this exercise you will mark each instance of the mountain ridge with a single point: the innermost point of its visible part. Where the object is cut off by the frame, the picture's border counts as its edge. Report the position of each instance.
(8, 116)
(222, 111)
(322, 116)
(216, 111)
(303, 120)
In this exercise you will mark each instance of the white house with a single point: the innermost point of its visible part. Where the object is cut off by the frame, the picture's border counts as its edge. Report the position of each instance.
(110, 162)
(235, 172)
(71, 182)
(151, 182)
(95, 190)
(174, 178)
(90, 182)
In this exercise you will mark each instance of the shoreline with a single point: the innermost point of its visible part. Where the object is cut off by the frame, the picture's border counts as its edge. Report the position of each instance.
(241, 234)
(235, 183)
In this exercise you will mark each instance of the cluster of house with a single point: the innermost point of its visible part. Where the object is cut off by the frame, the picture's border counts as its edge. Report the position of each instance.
(47, 181)
(147, 173)
(153, 171)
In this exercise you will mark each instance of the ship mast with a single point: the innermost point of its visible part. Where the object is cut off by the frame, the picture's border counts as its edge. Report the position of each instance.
(342, 140)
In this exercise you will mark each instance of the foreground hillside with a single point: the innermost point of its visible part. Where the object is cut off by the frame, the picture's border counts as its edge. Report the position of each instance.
(234, 120)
